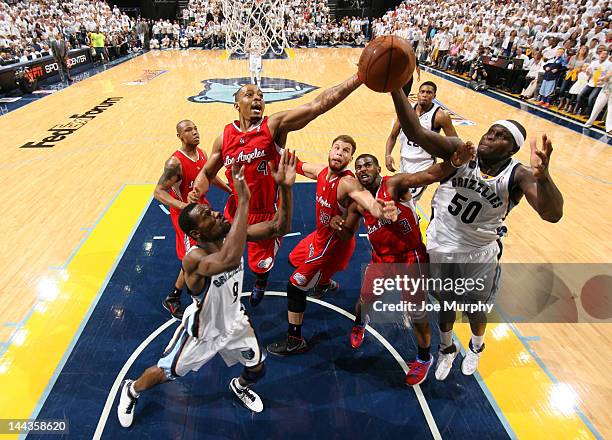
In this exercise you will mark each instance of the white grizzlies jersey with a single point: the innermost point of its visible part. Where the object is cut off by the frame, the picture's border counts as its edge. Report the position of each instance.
(412, 157)
(216, 310)
(468, 210)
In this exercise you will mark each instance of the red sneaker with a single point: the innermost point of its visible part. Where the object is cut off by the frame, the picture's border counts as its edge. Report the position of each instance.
(417, 371)
(357, 335)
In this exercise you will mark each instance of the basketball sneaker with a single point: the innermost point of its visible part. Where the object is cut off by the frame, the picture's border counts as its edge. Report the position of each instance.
(470, 362)
(445, 361)
(257, 295)
(357, 334)
(173, 305)
(319, 291)
(288, 347)
(247, 396)
(417, 371)
(127, 404)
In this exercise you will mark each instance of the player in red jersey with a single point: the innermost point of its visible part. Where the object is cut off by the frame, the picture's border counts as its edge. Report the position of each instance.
(397, 242)
(255, 141)
(322, 253)
(173, 189)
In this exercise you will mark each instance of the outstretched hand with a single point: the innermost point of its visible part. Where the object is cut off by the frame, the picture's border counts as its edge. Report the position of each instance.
(336, 223)
(465, 153)
(285, 174)
(240, 183)
(389, 210)
(193, 196)
(540, 158)
(390, 163)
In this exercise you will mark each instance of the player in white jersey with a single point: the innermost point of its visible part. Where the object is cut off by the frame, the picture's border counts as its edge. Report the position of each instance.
(255, 46)
(215, 322)
(413, 158)
(469, 208)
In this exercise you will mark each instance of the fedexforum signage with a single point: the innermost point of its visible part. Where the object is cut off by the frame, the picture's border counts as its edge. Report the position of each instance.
(61, 131)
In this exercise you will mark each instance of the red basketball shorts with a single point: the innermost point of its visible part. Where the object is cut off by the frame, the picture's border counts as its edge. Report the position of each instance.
(261, 254)
(312, 268)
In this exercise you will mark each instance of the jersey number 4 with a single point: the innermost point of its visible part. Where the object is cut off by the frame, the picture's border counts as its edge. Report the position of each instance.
(263, 167)
(467, 211)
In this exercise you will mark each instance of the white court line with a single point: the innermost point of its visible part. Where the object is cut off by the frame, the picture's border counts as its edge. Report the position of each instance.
(163, 208)
(159, 237)
(363, 235)
(433, 427)
(111, 396)
(292, 234)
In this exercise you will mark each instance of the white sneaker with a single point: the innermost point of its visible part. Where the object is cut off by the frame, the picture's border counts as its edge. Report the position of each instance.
(445, 361)
(247, 396)
(470, 362)
(127, 404)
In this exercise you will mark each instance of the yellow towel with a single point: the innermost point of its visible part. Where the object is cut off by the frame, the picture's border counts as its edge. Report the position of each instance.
(596, 76)
(572, 75)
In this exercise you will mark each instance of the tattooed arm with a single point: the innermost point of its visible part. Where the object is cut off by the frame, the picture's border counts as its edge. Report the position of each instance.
(173, 174)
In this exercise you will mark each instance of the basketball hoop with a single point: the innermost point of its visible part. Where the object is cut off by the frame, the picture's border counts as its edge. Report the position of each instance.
(242, 17)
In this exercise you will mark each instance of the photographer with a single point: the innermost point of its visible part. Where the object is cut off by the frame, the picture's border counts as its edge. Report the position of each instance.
(478, 74)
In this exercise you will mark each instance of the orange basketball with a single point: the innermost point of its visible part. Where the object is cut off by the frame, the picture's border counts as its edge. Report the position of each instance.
(386, 63)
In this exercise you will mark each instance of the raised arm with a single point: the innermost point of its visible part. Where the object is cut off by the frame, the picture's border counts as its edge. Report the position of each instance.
(230, 255)
(444, 121)
(432, 142)
(283, 122)
(395, 131)
(209, 172)
(280, 225)
(350, 186)
(310, 170)
(347, 227)
(173, 174)
(537, 184)
(219, 183)
(402, 182)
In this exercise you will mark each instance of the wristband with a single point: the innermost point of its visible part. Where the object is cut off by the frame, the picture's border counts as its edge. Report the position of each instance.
(299, 167)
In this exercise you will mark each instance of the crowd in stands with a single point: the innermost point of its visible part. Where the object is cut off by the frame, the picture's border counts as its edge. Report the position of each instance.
(26, 27)
(563, 45)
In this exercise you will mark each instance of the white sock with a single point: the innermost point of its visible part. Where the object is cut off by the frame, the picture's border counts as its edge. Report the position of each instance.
(239, 385)
(446, 339)
(477, 341)
(133, 391)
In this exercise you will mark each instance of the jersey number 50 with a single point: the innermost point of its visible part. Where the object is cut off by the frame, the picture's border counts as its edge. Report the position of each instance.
(468, 211)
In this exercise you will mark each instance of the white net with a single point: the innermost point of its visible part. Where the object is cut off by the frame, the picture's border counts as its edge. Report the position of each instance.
(243, 17)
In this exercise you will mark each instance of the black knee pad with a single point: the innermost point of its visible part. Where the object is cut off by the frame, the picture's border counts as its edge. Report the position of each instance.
(251, 376)
(296, 299)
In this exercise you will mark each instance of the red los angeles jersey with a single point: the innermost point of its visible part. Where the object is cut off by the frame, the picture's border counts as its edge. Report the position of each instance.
(190, 170)
(325, 238)
(255, 149)
(393, 238)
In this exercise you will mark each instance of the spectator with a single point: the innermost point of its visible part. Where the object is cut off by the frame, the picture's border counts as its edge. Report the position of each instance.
(59, 49)
(597, 71)
(604, 98)
(552, 71)
(574, 67)
(98, 43)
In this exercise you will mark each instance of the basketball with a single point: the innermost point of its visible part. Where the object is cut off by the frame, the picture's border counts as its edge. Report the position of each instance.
(386, 63)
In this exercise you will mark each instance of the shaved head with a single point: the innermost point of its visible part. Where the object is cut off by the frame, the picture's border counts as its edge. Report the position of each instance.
(242, 90)
(181, 124)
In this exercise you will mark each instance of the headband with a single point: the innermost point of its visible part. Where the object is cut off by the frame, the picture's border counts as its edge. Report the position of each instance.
(513, 129)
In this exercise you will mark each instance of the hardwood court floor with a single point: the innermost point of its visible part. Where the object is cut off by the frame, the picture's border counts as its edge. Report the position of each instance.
(53, 194)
